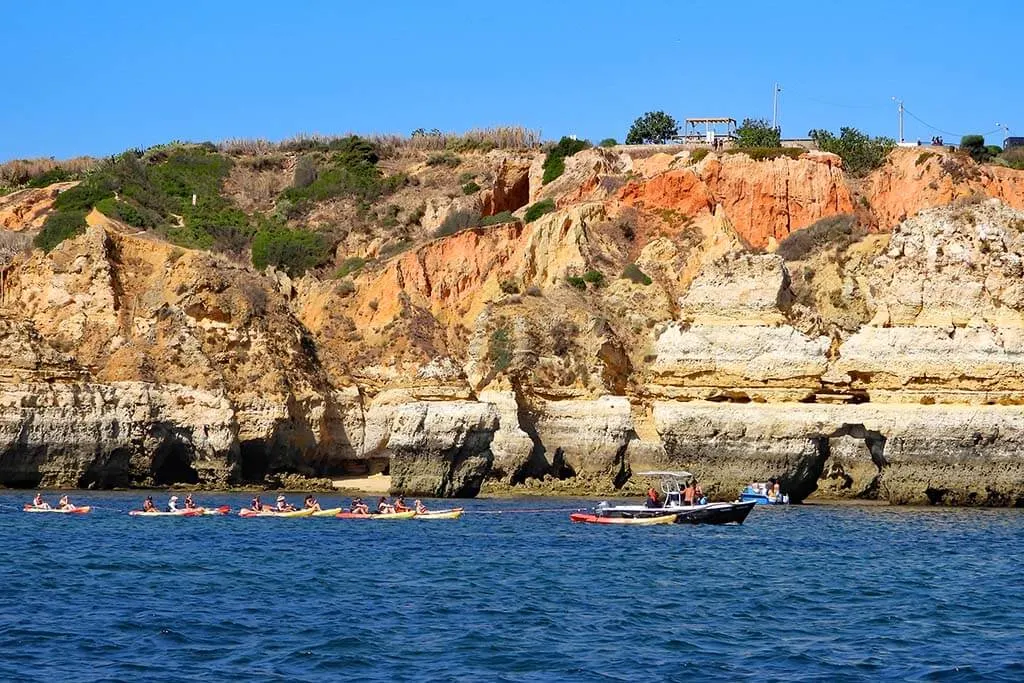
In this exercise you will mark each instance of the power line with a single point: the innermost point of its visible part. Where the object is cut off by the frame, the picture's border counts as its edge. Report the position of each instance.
(939, 130)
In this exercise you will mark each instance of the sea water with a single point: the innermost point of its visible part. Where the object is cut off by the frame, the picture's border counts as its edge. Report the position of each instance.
(796, 593)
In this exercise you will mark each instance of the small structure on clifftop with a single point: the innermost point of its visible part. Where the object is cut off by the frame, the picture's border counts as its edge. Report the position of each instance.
(711, 131)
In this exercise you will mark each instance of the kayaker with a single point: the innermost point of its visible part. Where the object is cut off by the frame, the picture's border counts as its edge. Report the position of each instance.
(312, 503)
(172, 504)
(358, 507)
(189, 503)
(652, 497)
(256, 504)
(38, 502)
(400, 505)
(420, 508)
(283, 505)
(148, 505)
(383, 507)
(64, 503)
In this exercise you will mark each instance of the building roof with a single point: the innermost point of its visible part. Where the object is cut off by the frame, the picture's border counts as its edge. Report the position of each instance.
(711, 120)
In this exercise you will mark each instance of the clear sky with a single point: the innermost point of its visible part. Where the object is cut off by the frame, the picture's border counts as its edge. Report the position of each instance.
(102, 76)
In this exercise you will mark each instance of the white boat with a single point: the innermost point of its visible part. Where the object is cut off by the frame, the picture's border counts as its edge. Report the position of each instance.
(671, 484)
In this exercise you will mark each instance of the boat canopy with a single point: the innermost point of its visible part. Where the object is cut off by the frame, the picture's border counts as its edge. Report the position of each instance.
(676, 475)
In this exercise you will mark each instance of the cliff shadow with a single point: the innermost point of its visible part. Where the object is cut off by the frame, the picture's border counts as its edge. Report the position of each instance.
(840, 467)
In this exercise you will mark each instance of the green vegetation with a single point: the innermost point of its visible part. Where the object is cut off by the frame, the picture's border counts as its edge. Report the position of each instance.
(131, 214)
(444, 159)
(351, 171)
(923, 157)
(554, 164)
(835, 231)
(350, 266)
(457, 221)
(633, 273)
(470, 188)
(499, 218)
(394, 249)
(539, 209)
(975, 146)
(594, 277)
(698, 154)
(861, 153)
(653, 128)
(608, 142)
(757, 134)
(305, 172)
(499, 350)
(765, 153)
(576, 281)
(466, 177)
(293, 251)
(58, 227)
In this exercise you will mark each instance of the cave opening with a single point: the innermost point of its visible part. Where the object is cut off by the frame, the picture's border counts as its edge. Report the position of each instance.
(175, 464)
(254, 460)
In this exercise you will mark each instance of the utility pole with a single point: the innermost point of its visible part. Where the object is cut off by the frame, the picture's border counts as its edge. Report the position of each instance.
(900, 110)
(775, 106)
(1006, 131)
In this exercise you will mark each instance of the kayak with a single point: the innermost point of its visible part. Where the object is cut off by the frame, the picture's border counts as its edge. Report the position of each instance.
(67, 511)
(395, 515)
(266, 513)
(638, 521)
(164, 513)
(222, 510)
(387, 515)
(329, 512)
(454, 513)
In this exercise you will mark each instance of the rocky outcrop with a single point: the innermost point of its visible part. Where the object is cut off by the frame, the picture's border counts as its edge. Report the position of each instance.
(632, 328)
(764, 201)
(26, 210)
(733, 341)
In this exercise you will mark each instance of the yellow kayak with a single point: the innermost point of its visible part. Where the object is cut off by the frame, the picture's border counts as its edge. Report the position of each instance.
(454, 513)
(395, 515)
(328, 512)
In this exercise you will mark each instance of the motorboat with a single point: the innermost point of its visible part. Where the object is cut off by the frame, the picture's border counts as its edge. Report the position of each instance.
(761, 493)
(672, 485)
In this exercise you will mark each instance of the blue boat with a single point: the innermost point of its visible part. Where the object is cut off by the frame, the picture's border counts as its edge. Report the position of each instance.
(763, 498)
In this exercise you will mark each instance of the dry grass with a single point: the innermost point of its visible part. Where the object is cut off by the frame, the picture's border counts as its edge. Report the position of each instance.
(12, 244)
(499, 137)
(20, 171)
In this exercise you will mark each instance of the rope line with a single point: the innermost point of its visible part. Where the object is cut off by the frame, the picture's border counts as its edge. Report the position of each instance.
(939, 130)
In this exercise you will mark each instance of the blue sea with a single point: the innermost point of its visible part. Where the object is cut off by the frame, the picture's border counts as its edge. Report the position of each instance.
(511, 592)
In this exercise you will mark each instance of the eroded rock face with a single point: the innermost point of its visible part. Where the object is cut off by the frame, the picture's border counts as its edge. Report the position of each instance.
(485, 356)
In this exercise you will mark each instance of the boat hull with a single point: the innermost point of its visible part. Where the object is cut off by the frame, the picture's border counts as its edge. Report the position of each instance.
(387, 516)
(761, 499)
(162, 513)
(711, 513)
(329, 512)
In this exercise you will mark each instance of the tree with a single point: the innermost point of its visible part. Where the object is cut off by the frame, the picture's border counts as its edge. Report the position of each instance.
(757, 133)
(860, 153)
(653, 128)
(975, 146)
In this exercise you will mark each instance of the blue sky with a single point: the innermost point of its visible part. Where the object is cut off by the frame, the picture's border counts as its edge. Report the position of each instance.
(102, 76)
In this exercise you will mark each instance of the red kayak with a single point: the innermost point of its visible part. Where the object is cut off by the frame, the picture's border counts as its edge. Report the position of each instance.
(637, 521)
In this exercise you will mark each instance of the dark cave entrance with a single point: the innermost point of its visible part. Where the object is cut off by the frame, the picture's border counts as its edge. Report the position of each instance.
(175, 464)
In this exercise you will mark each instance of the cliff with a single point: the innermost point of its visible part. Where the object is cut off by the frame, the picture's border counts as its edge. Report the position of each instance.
(643, 323)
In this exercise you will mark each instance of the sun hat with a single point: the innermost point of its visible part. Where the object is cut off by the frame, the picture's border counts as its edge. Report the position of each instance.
(280, 499)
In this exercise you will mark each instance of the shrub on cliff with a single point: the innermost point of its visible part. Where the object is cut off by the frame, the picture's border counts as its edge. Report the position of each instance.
(350, 171)
(975, 146)
(653, 128)
(499, 350)
(633, 273)
(350, 266)
(305, 172)
(59, 226)
(293, 251)
(833, 231)
(766, 153)
(470, 188)
(757, 134)
(499, 218)
(554, 163)
(539, 209)
(861, 153)
(608, 142)
(457, 221)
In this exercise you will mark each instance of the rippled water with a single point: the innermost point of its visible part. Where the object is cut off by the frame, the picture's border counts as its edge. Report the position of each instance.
(804, 593)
